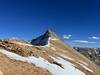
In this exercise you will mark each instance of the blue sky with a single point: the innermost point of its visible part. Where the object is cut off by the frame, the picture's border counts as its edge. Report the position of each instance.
(26, 19)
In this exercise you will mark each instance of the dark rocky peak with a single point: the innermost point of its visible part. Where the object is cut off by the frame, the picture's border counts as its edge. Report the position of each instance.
(50, 33)
(44, 39)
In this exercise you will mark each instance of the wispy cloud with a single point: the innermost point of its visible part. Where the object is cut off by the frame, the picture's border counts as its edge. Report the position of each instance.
(67, 36)
(83, 41)
(94, 37)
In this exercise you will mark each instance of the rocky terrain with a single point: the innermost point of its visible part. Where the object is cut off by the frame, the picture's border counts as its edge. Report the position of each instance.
(45, 55)
(91, 53)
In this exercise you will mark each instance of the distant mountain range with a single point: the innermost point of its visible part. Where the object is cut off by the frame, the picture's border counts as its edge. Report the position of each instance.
(92, 53)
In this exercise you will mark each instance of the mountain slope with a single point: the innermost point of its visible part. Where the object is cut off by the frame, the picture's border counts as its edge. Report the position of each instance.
(43, 56)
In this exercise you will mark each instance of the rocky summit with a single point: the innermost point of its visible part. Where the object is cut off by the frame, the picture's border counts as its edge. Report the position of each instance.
(44, 39)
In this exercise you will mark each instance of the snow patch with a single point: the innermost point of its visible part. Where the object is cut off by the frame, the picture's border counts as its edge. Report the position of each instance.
(54, 39)
(54, 69)
(85, 67)
(84, 63)
(69, 68)
(64, 56)
(48, 44)
(49, 39)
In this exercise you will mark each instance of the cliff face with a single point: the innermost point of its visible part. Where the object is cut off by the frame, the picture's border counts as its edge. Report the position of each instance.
(43, 56)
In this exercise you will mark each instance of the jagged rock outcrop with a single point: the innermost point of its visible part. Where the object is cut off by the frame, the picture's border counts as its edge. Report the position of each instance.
(44, 39)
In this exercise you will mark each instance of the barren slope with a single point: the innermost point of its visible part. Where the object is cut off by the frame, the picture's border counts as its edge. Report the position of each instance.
(53, 58)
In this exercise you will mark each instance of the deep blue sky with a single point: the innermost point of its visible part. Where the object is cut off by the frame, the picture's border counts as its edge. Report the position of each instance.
(28, 18)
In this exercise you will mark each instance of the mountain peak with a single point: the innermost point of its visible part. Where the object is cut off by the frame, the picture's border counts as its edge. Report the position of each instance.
(50, 33)
(44, 39)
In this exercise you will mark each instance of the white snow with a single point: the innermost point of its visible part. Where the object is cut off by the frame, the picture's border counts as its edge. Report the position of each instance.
(84, 63)
(48, 44)
(68, 68)
(49, 39)
(85, 67)
(67, 57)
(54, 39)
